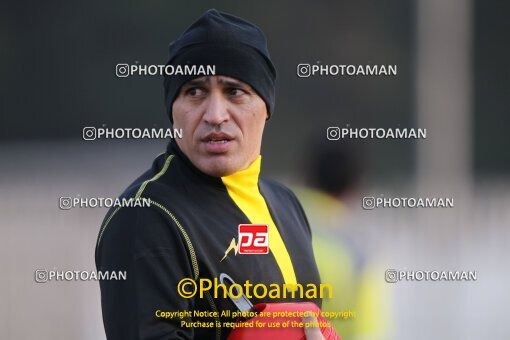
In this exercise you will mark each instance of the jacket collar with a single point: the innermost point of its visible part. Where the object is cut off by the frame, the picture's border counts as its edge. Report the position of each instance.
(247, 178)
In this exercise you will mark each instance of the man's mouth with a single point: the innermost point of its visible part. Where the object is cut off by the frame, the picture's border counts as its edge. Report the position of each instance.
(218, 142)
(217, 138)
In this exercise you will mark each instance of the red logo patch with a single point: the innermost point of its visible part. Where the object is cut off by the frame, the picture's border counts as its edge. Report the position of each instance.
(253, 239)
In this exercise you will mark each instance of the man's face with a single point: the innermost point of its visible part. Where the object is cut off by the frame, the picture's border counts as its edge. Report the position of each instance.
(222, 120)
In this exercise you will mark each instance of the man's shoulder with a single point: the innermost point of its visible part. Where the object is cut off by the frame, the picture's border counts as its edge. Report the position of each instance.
(281, 198)
(155, 182)
(268, 185)
(138, 208)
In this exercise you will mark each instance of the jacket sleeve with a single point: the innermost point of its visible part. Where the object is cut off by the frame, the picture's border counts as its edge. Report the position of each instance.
(152, 252)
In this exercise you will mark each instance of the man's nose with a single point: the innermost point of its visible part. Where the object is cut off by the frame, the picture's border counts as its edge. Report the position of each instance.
(216, 109)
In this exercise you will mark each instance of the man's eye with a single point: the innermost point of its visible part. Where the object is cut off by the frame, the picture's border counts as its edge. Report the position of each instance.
(236, 92)
(194, 91)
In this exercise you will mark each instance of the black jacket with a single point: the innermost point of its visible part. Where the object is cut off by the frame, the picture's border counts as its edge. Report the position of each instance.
(184, 234)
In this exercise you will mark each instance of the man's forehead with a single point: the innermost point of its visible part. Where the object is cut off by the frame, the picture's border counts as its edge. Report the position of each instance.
(223, 80)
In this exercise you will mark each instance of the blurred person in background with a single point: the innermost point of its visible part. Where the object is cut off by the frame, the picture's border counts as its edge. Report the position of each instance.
(333, 179)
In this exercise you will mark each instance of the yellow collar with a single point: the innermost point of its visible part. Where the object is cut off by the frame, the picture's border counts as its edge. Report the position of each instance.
(247, 178)
(242, 187)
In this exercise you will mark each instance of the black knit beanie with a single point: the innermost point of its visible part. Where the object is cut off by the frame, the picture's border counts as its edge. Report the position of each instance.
(236, 48)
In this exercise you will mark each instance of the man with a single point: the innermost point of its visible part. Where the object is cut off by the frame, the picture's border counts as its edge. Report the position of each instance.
(201, 190)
